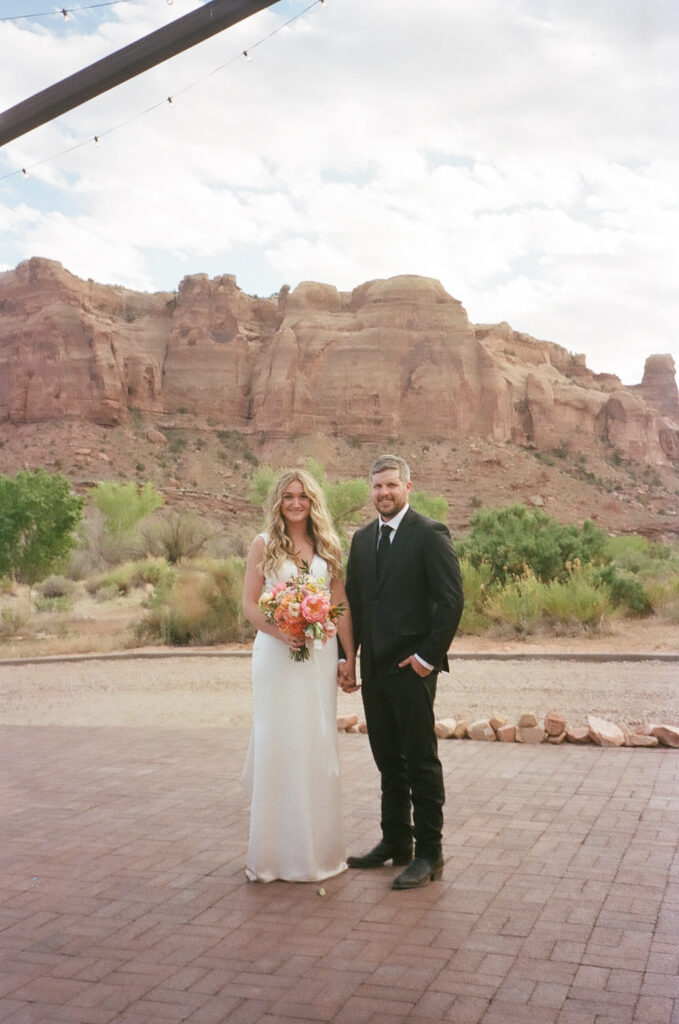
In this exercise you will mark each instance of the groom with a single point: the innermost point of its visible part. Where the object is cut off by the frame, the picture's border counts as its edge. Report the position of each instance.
(405, 593)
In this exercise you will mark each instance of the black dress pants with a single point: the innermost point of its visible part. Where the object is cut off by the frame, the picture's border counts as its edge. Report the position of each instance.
(399, 710)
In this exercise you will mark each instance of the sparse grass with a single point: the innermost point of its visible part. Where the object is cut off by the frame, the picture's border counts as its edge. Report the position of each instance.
(14, 622)
(130, 575)
(576, 602)
(54, 604)
(200, 605)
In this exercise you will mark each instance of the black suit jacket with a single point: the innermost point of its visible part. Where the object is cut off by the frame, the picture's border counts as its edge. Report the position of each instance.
(416, 606)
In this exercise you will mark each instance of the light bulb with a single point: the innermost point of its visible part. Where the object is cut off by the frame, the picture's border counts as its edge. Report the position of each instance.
(246, 54)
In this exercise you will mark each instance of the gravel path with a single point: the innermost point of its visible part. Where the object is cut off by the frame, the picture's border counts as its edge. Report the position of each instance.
(180, 691)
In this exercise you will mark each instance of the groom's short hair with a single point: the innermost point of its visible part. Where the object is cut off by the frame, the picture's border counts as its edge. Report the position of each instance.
(383, 462)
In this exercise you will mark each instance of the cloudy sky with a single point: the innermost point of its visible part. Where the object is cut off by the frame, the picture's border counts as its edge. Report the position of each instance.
(523, 152)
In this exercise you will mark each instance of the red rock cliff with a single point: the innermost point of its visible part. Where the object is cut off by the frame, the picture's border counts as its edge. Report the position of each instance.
(394, 358)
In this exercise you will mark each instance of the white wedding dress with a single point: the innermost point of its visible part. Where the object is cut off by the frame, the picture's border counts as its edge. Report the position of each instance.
(291, 770)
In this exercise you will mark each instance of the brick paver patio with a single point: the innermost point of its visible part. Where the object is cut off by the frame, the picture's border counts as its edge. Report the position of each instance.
(123, 897)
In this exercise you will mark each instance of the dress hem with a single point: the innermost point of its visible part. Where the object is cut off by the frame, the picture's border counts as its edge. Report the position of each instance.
(252, 877)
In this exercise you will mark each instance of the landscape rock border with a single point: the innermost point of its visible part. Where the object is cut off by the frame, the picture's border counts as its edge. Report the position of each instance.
(552, 729)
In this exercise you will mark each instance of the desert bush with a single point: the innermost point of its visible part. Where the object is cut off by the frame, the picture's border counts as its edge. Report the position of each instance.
(202, 605)
(130, 575)
(514, 539)
(177, 535)
(56, 586)
(518, 604)
(476, 585)
(14, 622)
(639, 555)
(626, 590)
(578, 600)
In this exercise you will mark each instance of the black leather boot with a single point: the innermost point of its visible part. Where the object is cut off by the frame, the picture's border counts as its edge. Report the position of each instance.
(380, 854)
(420, 871)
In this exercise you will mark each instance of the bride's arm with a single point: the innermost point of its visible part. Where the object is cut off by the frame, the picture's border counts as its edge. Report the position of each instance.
(253, 585)
(345, 632)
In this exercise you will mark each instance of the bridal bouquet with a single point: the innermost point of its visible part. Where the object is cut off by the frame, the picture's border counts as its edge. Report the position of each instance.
(301, 608)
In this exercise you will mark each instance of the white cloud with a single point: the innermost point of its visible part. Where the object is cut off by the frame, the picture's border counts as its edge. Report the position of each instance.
(525, 154)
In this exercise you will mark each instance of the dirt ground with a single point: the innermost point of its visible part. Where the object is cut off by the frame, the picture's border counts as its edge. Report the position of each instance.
(212, 688)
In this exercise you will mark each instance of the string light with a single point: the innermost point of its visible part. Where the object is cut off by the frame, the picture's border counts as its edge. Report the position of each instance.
(64, 12)
(170, 99)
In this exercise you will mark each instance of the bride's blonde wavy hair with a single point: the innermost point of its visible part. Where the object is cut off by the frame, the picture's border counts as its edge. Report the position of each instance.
(278, 546)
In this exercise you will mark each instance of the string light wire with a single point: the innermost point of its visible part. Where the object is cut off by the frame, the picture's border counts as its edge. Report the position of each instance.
(64, 11)
(161, 103)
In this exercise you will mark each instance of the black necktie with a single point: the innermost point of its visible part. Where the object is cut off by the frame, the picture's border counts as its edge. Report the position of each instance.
(383, 547)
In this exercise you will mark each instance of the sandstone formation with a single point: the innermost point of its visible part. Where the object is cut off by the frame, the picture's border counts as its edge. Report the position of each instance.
(361, 364)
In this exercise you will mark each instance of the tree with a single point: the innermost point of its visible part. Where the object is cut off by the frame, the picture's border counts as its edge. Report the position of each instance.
(260, 484)
(124, 505)
(38, 518)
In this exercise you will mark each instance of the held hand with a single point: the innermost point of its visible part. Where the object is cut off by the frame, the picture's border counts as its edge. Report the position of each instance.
(346, 677)
(416, 666)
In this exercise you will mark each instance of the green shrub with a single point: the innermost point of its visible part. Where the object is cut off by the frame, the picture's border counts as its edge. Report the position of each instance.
(626, 591)
(514, 539)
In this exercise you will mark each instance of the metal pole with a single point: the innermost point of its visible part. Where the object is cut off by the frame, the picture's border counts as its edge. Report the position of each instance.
(118, 67)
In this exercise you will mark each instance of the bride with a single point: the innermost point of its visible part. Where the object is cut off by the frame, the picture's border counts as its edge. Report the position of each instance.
(292, 769)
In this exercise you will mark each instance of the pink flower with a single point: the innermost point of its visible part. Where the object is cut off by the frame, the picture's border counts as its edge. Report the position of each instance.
(315, 607)
(277, 588)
